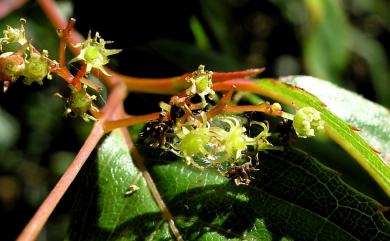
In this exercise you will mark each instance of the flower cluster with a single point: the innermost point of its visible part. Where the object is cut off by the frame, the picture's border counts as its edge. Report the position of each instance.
(27, 62)
(307, 122)
(220, 140)
(35, 66)
(14, 35)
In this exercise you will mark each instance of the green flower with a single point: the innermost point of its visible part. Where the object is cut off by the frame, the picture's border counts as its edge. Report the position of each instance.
(79, 103)
(37, 68)
(201, 83)
(14, 35)
(307, 121)
(260, 142)
(194, 142)
(232, 142)
(94, 53)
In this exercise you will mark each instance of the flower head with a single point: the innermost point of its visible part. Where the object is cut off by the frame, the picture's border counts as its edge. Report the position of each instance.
(94, 53)
(201, 83)
(37, 68)
(307, 121)
(195, 141)
(14, 35)
(231, 142)
(79, 103)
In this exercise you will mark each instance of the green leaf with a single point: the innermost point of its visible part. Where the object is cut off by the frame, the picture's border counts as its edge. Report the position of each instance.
(102, 210)
(342, 110)
(294, 197)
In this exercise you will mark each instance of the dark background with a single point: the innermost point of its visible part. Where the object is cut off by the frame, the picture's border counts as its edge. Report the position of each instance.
(345, 42)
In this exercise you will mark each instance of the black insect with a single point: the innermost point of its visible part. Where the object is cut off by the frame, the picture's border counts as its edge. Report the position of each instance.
(286, 132)
(157, 133)
(176, 113)
(242, 174)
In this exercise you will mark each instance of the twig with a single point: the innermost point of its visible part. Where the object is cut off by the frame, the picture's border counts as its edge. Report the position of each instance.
(133, 120)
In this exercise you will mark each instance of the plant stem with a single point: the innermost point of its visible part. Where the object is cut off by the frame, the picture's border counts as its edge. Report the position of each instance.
(64, 35)
(264, 107)
(59, 22)
(133, 120)
(223, 76)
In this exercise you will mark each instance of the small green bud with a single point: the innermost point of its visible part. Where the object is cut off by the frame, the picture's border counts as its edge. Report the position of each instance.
(79, 103)
(37, 68)
(94, 53)
(14, 35)
(11, 67)
(307, 121)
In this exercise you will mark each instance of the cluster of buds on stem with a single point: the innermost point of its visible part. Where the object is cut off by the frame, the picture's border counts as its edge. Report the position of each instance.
(27, 62)
(93, 54)
(35, 66)
(207, 135)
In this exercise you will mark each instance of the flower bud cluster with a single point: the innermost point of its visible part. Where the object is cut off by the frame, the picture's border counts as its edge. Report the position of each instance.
(221, 141)
(35, 66)
(14, 35)
(27, 62)
(307, 122)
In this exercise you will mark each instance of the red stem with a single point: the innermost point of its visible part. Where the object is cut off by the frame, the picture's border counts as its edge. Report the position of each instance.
(76, 81)
(64, 36)
(133, 120)
(59, 22)
(222, 76)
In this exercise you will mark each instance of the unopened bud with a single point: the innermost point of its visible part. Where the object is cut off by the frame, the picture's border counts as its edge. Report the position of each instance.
(11, 67)
(307, 121)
